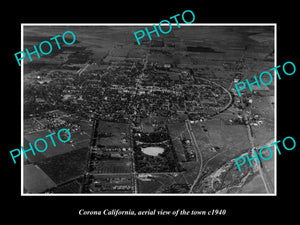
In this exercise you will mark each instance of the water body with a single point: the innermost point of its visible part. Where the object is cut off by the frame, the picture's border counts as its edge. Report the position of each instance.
(153, 151)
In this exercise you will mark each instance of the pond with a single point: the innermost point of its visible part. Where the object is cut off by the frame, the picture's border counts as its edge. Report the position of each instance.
(153, 151)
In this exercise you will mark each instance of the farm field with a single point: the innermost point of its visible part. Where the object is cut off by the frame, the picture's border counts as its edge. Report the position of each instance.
(63, 167)
(219, 138)
(113, 166)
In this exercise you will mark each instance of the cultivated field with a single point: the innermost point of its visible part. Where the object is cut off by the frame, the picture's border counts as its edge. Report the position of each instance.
(63, 167)
(113, 166)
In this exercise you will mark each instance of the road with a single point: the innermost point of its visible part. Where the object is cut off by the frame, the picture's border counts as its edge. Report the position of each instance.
(130, 173)
(228, 92)
(199, 157)
(134, 174)
(138, 84)
(81, 70)
(263, 173)
(93, 140)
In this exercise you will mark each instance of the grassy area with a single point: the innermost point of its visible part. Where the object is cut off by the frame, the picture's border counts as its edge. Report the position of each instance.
(255, 186)
(155, 184)
(118, 134)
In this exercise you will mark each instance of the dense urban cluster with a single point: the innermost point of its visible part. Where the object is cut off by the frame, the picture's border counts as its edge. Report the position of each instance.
(124, 93)
(121, 94)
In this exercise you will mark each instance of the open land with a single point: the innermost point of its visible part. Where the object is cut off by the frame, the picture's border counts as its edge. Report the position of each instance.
(174, 95)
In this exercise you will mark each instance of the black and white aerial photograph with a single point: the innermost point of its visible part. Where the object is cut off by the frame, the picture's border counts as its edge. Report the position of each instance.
(162, 117)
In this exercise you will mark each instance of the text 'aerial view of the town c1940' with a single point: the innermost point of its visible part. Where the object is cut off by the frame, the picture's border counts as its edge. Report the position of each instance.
(162, 117)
